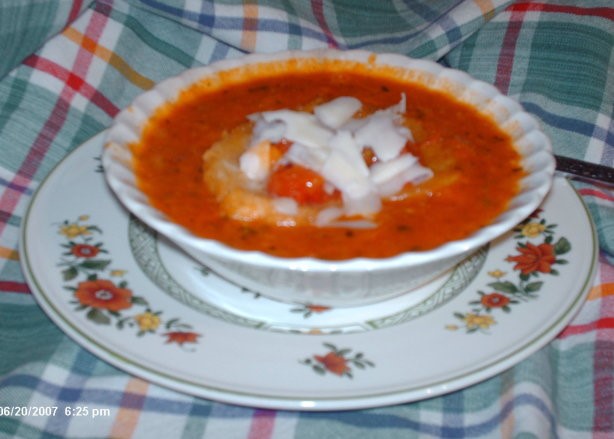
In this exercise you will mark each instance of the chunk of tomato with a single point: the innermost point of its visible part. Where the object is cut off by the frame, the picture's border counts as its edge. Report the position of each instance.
(302, 184)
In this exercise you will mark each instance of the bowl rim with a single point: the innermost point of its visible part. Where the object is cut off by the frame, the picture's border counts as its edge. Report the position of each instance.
(126, 126)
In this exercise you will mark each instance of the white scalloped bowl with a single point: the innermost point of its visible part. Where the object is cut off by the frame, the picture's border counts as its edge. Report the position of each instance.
(349, 282)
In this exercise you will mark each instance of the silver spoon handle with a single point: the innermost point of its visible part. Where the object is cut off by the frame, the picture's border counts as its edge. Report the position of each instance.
(591, 171)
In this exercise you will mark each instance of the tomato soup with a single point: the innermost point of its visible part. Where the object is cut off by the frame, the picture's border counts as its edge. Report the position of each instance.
(476, 169)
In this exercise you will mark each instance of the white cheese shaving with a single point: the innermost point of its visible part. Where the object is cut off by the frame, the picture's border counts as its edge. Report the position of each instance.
(345, 177)
(328, 215)
(300, 127)
(311, 158)
(383, 135)
(285, 205)
(385, 171)
(337, 112)
(331, 142)
(388, 176)
(345, 144)
(272, 131)
(255, 162)
(401, 107)
(365, 205)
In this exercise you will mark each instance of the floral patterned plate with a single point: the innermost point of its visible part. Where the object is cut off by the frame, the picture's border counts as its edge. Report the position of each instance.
(134, 300)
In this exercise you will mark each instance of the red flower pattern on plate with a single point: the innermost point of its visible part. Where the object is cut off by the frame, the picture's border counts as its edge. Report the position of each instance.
(531, 262)
(85, 250)
(534, 258)
(181, 337)
(333, 362)
(102, 293)
(103, 300)
(495, 300)
(337, 361)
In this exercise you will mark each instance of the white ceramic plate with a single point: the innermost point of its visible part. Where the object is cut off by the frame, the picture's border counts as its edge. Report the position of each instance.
(137, 302)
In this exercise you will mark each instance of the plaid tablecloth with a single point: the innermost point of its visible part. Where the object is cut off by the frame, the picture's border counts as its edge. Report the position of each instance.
(67, 67)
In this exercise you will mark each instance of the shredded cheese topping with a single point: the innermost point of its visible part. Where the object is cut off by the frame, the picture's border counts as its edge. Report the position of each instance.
(330, 141)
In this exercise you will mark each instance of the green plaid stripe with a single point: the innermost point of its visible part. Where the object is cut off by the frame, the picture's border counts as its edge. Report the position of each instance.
(420, 28)
(26, 25)
(561, 72)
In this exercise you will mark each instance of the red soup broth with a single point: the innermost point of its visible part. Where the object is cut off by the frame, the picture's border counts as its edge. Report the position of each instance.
(476, 167)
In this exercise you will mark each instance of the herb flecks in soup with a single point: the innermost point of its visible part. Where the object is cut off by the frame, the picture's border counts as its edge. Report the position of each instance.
(288, 207)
